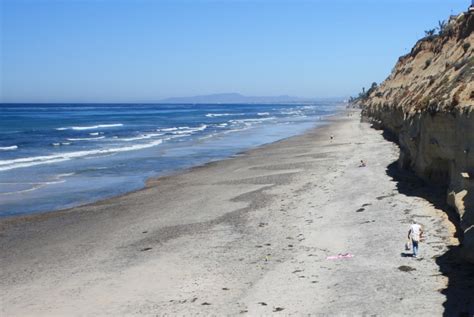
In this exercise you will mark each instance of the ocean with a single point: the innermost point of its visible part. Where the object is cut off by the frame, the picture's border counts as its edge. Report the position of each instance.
(56, 156)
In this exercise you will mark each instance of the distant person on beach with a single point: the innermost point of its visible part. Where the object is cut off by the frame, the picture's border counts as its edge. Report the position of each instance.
(362, 164)
(415, 234)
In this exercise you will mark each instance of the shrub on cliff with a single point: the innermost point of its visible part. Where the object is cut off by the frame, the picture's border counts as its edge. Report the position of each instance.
(466, 46)
(427, 63)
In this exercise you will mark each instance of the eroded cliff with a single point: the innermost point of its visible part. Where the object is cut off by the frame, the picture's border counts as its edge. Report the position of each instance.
(428, 102)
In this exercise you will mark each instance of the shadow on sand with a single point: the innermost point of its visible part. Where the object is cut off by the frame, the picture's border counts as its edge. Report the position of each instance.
(460, 289)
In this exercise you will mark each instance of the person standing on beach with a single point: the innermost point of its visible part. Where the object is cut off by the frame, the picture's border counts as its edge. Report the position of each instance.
(415, 234)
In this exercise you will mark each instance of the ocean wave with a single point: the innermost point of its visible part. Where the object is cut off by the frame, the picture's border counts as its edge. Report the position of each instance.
(48, 159)
(61, 143)
(212, 115)
(92, 127)
(251, 120)
(32, 188)
(86, 139)
(142, 137)
(292, 112)
(191, 130)
(183, 129)
(263, 113)
(58, 179)
(9, 148)
(167, 129)
(235, 130)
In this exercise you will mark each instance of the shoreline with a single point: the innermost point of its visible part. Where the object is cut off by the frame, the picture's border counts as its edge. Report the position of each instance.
(252, 234)
(149, 182)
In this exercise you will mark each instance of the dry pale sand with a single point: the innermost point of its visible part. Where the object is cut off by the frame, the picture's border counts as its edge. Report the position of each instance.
(247, 235)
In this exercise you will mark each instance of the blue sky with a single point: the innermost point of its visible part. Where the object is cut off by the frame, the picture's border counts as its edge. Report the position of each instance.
(143, 50)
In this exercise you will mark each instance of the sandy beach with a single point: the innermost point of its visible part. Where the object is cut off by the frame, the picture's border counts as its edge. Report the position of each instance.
(247, 235)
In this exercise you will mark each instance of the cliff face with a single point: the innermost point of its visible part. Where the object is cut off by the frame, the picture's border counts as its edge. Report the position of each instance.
(428, 102)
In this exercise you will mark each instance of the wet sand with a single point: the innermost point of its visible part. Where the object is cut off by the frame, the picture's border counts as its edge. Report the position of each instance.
(247, 235)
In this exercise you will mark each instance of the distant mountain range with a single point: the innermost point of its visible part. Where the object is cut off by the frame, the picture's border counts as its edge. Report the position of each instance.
(238, 98)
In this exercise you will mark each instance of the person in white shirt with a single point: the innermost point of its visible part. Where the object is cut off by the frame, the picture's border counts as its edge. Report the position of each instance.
(415, 234)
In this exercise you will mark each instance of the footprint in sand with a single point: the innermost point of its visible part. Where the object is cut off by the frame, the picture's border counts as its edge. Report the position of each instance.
(263, 303)
(277, 309)
(360, 210)
(145, 249)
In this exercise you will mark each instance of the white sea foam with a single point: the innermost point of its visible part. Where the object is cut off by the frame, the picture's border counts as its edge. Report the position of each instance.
(34, 187)
(167, 129)
(181, 132)
(58, 179)
(251, 120)
(212, 115)
(292, 112)
(9, 148)
(263, 113)
(235, 130)
(92, 127)
(86, 139)
(189, 130)
(64, 175)
(48, 159)
(94, 133)
(142, 137)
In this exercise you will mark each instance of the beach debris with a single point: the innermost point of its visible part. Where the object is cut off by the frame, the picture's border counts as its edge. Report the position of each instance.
(194, 299)
(178, 301)
(206, 304)
(263, 303)
(225, 289)
(144, 231)
(366, 204)
(244, 311)
(277, 309)
(360, 210)
(340, 256)
(146, 249)
(406, 268)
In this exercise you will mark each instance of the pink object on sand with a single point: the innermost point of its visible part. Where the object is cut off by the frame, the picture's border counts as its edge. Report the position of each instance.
(340, 256)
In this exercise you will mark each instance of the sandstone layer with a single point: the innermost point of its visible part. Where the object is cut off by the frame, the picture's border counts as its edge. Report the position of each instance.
(427, 103)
